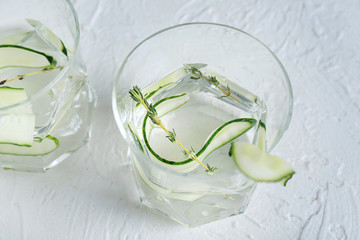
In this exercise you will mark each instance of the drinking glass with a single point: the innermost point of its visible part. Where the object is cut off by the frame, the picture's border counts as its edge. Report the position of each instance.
(189, 198)
(56, 102)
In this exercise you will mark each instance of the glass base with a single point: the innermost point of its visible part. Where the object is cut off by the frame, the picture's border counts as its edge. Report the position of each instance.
(72, 131)
(193, 212)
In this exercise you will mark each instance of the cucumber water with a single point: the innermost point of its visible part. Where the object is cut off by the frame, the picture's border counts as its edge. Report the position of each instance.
(45, 99)
(195, 128)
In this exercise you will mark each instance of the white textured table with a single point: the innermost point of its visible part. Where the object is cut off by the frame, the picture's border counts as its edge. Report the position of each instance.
(92, 196)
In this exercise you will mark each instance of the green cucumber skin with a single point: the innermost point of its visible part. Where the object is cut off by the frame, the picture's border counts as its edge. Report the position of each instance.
(11, 88)
(156, 90)
(152, 93)
(230, 153)
(261, 138)
(50, 59)
(262, 124)
(56, 141)
(172, 97)
(16, 144)
(249, 120)
(63, 48)
(287, 178)
(136, 137)
(168, 98)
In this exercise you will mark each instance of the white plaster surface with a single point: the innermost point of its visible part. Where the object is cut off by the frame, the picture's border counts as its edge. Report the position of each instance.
(92, 196)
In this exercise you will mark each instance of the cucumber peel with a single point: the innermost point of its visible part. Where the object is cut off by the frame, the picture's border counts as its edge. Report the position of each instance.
(166, 105)
(149, 95)
(40, 147)
(163, 83)
(258, 165)
(224, 134)
(19, 56)
(48, 35)
(261, 141)
(170, 78)
(136, 138)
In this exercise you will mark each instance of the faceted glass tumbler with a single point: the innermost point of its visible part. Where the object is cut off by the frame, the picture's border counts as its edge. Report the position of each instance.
(186, 197)
(60, 100)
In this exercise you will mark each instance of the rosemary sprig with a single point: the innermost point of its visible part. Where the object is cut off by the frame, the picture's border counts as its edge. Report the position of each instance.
(197, 74)
(211, 169)
(172, 136)
(138, 97)
(21, 77)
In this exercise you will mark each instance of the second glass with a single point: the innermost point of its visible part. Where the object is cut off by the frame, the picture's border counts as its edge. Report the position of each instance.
(45, 99)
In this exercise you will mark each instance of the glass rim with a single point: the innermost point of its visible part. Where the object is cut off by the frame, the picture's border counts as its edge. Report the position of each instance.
(123, 64)
(62, 72)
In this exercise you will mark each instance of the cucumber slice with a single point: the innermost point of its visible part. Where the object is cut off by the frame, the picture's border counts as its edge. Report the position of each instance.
(40, 147)
(172, 103)
(258, 165)
(166, 81)
(261, 136)
(149, 95)
(19, 56)
(10, 96)
(48, 35)
(136, 138)
(17, 129)
(221, 136)
(170, 78)
(15, 38)
(17, 124)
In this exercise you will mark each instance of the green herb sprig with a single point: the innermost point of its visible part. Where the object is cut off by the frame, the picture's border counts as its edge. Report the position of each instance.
(197, 74)
(21, 77)
(211, 169)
